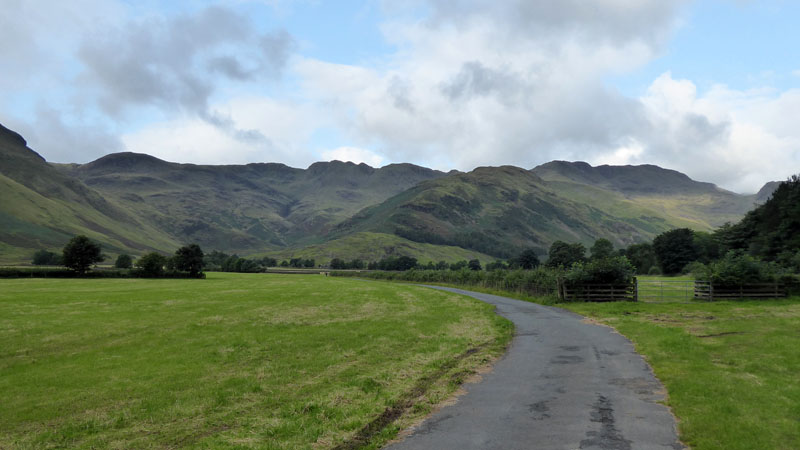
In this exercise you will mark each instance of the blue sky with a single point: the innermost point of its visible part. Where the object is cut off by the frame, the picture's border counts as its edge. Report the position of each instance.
(707, 87)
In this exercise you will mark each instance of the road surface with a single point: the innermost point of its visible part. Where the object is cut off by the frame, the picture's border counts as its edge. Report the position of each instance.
(563, 384)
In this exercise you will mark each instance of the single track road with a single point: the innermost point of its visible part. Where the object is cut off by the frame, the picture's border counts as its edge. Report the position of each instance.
(563, 384)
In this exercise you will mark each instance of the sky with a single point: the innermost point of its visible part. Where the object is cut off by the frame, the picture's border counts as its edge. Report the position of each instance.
(710, 88)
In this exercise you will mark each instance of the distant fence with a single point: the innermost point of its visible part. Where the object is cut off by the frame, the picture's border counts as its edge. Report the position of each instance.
(705, 290)
(598, 292)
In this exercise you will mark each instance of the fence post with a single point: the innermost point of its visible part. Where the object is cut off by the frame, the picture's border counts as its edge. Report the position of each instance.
(635, 289)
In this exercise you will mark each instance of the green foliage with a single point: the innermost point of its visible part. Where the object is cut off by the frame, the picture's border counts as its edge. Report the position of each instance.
(562, 254)
(496, 265)
(527, 260)
(770, 230)
(474, 264)
(395, 264)
(602, 248)
(674, 249)
(189, 259)
(47, 258)
(643, 257)
(707, 246)
(151, 265)
(654, 270)
(124, 261)
(539, 282)
(81, 253)
(612, 270)
(737, 268)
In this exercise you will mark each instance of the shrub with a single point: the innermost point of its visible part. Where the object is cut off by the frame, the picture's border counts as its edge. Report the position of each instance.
(123, 262)
(151, 265)
(46, 258)
(737, 268)
(654, 270)
(615, 270)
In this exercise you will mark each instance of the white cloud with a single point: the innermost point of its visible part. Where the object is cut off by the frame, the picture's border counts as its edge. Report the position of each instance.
(267, 131)
(353, 154)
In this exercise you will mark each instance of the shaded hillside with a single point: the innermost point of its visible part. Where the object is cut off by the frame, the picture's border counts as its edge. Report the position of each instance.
(245, 208)
(701, 205)
(499, 210)
(40, 207)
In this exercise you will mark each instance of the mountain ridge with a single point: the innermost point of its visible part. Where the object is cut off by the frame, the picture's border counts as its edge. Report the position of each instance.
(139, 202)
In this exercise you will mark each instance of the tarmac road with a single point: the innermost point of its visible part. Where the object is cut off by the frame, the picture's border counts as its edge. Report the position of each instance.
(563, 384)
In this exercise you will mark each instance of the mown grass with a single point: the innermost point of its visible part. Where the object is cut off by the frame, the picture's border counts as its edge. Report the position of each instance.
(233, 361)
(732, 369)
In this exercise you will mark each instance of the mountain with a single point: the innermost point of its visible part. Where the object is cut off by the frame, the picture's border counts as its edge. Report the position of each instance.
(699, 205)
(135, 203)
(244, 208)
(40, 207)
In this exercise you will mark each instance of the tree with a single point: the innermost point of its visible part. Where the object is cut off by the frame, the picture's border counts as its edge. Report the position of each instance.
(474, 264)
(123, 261)
(642, 256)
(46, 258)
(189, 258)
(674, 249)
(602, 249)
(527, 260)
(338, 264)
(152, 264)
(563, 254)
(81, 253)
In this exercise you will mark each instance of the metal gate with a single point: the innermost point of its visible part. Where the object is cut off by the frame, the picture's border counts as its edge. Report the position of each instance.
(668, 291)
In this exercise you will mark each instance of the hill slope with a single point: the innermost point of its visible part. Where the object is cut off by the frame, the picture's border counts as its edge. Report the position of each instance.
(40, 207)
(498, 210)
(245, 208)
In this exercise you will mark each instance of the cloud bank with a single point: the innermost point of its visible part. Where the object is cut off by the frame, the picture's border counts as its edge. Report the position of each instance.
(468, 83)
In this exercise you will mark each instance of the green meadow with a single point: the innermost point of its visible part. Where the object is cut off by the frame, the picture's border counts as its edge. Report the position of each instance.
(732, 369)
(232, 361)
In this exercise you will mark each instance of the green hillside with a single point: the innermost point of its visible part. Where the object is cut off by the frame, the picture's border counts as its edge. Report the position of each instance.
(698, 205)
(498, 210)
(375, 246)
(245, 208)
(135, 203)
(41, 208)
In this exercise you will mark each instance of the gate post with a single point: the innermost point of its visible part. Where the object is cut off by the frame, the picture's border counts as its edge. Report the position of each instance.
(635, 289)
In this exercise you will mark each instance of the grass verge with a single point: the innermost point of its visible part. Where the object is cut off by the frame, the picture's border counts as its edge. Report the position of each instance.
(731, 368)
(233, 361)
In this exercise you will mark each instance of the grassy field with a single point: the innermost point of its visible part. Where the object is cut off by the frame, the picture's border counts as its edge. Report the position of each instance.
(732, 369)
(233, 361)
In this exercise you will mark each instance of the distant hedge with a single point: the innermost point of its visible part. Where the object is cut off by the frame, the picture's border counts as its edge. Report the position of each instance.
(537, 282)
(62, 272)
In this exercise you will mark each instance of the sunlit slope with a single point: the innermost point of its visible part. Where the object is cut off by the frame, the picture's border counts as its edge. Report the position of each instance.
(498, 210)
(695, 204)
(41, 208)
(368, 246)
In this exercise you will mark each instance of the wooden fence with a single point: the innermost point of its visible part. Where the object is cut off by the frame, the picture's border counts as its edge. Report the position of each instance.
(597, 292)
(705, 290)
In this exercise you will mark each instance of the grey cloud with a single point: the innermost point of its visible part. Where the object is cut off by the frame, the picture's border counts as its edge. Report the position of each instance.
(594, 20)
(399, 91)
(170, 63)
(476, 80)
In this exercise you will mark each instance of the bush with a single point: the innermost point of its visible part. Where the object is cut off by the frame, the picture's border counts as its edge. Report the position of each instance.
(615, 270)
(123, 262)
(151, 265)
(46, 258)
(737, 268)
(654, 270)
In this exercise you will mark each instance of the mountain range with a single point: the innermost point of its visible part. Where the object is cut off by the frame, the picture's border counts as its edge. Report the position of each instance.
(135, 203)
